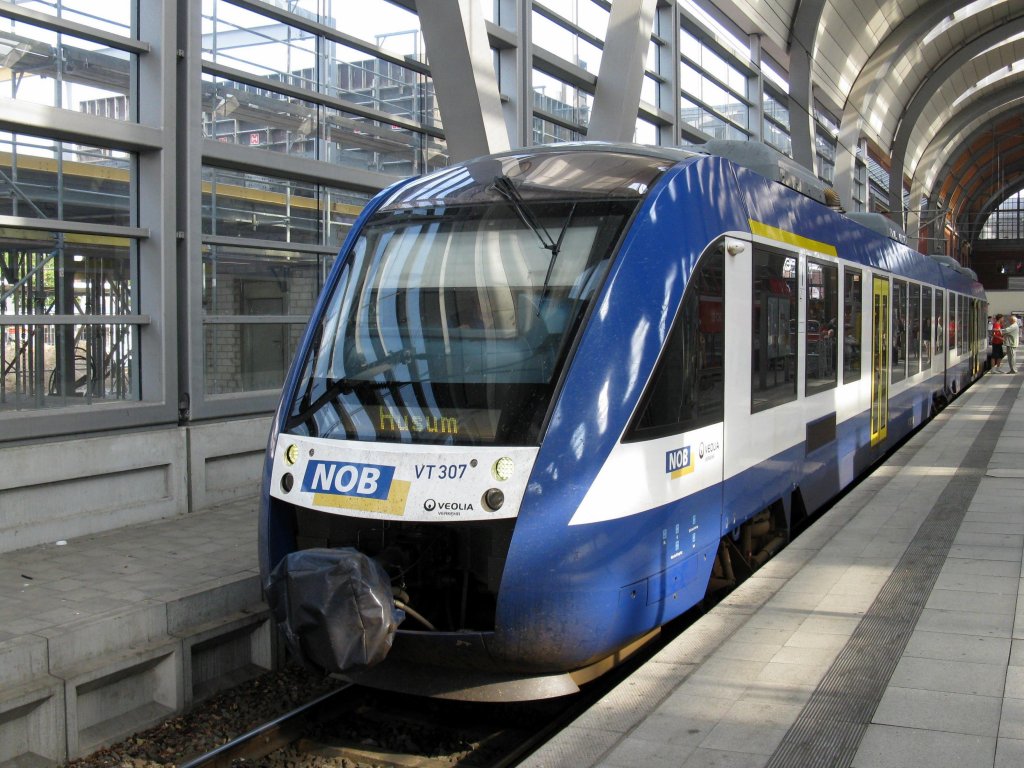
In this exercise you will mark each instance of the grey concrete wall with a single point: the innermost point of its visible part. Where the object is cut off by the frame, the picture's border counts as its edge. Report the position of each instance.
(69, 488)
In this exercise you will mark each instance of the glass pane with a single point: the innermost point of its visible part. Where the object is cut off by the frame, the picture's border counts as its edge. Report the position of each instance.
(774, 330)
(561, 100)
(852, 322)
(59, 70)
(385, 24)
(343, 207)
(565, 43)
(64, 274)
(48, 179)
(650, 91)
(372, 145)
(262, 119)
(899, 330)
(382, 85)
(927, 321)
(114, 16)
(914, 331)
(237, 204)
(645, 133)
(250, 281)
(52, 366)
(822, 325)
(546, 132)
(245, 357)
(253, 43)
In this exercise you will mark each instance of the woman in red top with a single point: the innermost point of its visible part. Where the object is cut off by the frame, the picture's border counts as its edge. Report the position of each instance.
(997, 345)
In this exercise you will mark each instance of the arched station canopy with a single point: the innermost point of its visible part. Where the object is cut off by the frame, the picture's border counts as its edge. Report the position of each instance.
(932, 89)
(936, 87)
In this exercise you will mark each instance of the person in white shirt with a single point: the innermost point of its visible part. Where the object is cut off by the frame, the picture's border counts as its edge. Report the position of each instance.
(1011, 337)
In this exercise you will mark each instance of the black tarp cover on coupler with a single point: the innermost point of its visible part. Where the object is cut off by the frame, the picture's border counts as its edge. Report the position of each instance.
(334, 607)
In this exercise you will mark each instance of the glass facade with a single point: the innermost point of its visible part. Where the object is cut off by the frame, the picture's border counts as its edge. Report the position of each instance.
(182, 173)
(1007, 221)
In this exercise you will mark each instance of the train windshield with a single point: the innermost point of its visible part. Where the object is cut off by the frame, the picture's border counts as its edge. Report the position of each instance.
(457, 307)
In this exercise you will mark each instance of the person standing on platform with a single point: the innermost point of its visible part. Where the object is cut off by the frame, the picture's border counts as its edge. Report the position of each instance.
(997, 344)
(1011, 337)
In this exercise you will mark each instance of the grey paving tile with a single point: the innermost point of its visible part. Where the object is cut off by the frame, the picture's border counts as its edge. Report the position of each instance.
(1007, 568)
(633, 752)
(954, 622)
(888, 747)
(577, 746)
(720, 758)
(807, 639)
(972, 602)
(1011, 723)
(950, 676)
(959, 647)
(1009, 753)
(969, 582)
(974, 552)
(688, 729)
(939, 711)
(792, 674)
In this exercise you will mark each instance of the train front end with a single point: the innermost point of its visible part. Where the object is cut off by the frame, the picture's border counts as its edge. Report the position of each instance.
(411, 424)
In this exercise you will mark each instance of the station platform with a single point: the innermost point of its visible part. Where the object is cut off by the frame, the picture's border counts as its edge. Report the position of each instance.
(889, 634)
(104, 635)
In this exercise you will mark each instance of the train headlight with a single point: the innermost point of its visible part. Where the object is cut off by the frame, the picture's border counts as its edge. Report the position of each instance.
(291, 454)
(493, 499)
(287, 481)
(503, 468)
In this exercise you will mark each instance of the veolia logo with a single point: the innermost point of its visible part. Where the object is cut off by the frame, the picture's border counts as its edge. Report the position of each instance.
(366, 481)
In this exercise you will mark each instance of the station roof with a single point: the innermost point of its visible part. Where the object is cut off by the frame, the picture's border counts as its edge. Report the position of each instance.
(937, 85)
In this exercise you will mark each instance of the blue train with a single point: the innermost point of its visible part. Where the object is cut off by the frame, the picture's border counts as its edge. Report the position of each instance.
(552, 397)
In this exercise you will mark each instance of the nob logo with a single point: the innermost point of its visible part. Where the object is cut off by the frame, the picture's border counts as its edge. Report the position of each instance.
(430, 505)
(367, 481)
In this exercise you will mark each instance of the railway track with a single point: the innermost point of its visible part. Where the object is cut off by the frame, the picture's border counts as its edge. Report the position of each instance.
(355, 727)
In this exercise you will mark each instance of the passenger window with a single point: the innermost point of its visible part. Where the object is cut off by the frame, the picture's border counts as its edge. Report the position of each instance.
(686, 390)
(952, 323)
(773, 332)
(926, 328)
(852, 317)
(940, 326)
(898, 335)
(822, 327)
(961, 324)
(914, 331)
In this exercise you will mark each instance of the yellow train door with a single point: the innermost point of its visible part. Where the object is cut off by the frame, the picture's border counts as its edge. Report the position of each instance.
(879, 359)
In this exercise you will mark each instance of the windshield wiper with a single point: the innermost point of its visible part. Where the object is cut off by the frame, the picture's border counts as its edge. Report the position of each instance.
(348, 384)
(505, 187)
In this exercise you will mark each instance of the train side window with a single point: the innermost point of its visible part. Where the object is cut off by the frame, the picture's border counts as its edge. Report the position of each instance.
(822, 327)
(961, 326)
(914, 330)
(773, 332)
(952, 323)
(687, 388)
(926, 328)
(940, 326)
(898, 333)
(852, 319)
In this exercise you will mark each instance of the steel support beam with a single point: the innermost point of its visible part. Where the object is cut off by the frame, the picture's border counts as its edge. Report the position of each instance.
(621, 76)
(455, 34)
